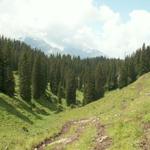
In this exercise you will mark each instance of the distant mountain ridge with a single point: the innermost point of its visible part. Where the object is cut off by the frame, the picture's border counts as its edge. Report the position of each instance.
(40, 44)
(48, 49)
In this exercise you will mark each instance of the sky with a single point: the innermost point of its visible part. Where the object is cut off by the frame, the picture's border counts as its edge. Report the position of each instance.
(114, 27)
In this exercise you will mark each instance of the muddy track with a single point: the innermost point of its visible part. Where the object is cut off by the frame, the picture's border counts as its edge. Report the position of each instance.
(145, 142)
(102, 141)
(59, 141)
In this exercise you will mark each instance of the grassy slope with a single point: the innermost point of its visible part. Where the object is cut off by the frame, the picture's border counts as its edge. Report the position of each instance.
(122, 111)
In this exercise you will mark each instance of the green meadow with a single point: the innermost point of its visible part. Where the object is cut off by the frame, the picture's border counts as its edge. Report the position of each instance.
(123, 112)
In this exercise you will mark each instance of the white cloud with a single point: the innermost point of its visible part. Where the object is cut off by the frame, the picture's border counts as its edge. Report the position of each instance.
(75, 22)
(120, 37)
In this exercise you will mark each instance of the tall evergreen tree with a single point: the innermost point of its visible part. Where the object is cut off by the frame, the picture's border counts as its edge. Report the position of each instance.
(1, 70)
(25, 77)
(111, 76)
(43, 72)
(99, 81)
(123, 76)
(54, 81)
(36, 78)
(70, 88)
(8, 83)
(60, 93)
(89, 88)
(131, 70)
(143, 61)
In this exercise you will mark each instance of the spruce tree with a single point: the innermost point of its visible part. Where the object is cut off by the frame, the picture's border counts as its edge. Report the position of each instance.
(39, 76)
(36, 78)
(143, 61)
(8, 83)
(131, 71)
(25, 77)
(89, 89)
(60, 93)
(1, 71)
(111, 76)
(55, 79)
(99, 81)
(43, 73)
(148, 57)
(123, 76)
(137, 60)
(70, 88)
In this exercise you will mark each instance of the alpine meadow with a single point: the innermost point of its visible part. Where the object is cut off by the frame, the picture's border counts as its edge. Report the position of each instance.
(74, 75)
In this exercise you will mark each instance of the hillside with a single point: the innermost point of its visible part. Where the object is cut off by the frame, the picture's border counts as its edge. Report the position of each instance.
(125, 115)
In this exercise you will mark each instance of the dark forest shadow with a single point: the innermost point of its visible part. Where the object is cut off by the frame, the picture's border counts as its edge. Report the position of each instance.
(46, 101)
(10, 109)
(23, 105)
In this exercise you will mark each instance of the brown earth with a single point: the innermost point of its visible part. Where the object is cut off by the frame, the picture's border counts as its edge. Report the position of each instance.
(145, 142)
(59, 141)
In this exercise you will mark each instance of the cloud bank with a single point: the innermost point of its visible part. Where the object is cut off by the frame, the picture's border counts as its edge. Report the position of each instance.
(77, 23)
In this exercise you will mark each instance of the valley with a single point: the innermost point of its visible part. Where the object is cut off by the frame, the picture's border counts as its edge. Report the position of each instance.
(124, 114)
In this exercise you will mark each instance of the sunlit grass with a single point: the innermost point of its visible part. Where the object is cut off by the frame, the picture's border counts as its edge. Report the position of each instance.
(122, 111)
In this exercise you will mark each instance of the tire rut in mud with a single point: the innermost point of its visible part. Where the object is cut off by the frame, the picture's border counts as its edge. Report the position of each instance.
(145, 142)
(59, 141)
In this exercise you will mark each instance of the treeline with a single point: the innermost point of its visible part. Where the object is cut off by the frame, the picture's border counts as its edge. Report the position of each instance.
(64, 74)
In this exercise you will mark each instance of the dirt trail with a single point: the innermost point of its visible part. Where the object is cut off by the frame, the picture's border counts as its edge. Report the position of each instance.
(145, 143)
(60, 140)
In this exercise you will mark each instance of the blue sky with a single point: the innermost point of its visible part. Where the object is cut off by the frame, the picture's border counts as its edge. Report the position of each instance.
(124, 7)
(114, 27)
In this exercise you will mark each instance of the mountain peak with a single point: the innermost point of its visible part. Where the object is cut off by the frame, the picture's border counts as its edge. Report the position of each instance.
(49, 49)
